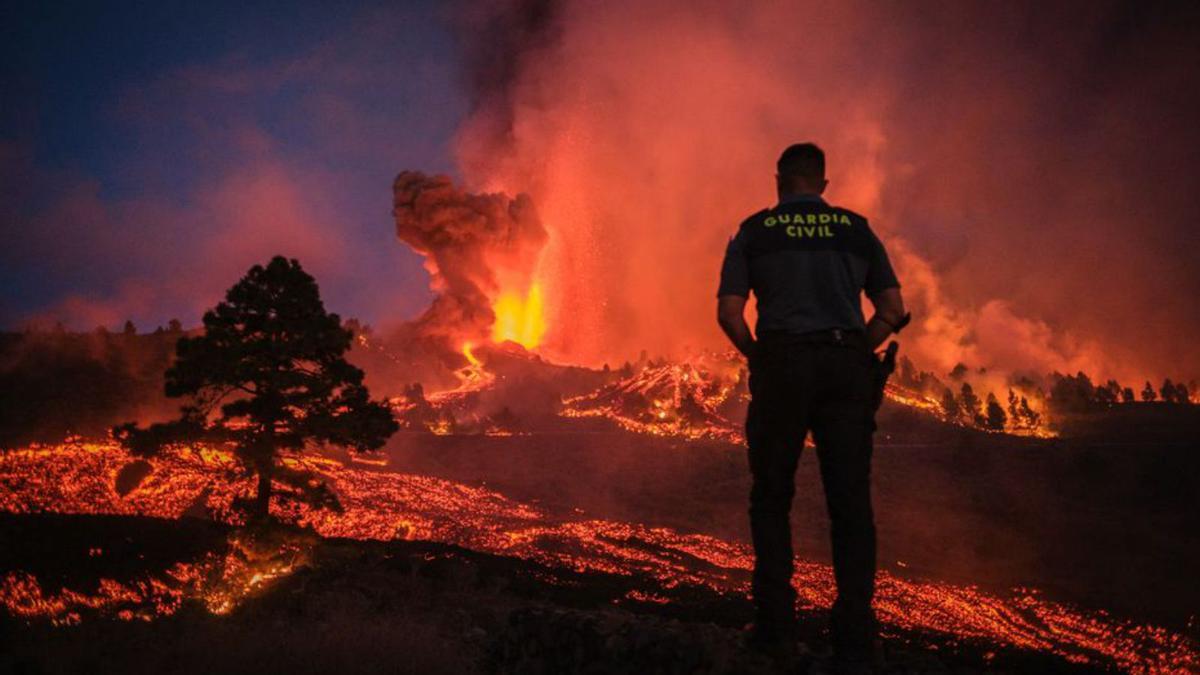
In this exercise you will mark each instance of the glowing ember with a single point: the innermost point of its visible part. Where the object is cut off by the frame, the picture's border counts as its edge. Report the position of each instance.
(79, 478)
(221, 582)
(519, 319)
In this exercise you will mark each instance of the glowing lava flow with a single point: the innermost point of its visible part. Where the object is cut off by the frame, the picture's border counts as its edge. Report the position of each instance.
(79, 478)
(705, 396)
(694, 399)
(473, 377)
(219, 580)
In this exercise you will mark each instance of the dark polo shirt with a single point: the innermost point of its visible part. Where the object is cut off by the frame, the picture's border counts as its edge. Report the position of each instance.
(807, 263)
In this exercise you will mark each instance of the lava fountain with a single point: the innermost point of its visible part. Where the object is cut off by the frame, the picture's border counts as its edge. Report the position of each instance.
(520, 318)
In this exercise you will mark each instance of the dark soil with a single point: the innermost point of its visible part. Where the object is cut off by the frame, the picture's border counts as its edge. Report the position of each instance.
(1107, 522)
(408, 607)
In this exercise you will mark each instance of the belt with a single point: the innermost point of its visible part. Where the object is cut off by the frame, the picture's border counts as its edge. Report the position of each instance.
(829, 336)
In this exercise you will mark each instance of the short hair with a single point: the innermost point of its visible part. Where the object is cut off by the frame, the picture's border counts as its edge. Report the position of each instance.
(802, 160)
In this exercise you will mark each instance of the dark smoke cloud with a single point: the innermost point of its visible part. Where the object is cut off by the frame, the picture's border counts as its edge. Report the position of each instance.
(1032, 167)
(474, 246)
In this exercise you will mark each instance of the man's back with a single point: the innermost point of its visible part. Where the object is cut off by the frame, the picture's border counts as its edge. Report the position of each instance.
(807, 263)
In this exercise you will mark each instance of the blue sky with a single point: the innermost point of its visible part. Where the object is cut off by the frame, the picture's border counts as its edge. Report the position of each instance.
(150, 152)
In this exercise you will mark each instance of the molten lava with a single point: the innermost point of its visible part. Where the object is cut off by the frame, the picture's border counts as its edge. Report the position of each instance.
(79, 478)
(705, 396)
(699, 398)
(520, 319)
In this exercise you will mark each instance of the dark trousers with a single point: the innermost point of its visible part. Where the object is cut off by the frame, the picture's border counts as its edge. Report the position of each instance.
(798, 385)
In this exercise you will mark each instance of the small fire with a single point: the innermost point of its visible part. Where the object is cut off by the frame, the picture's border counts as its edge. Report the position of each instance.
(520, 319)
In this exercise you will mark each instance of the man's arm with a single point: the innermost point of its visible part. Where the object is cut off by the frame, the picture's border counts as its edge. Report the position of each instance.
(731, 314)
(732, 295)
(888, 316)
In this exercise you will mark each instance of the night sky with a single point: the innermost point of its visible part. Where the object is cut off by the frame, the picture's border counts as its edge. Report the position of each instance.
(151, 152)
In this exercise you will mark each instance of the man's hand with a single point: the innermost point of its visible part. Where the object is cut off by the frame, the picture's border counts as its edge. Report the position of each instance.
(889, 313)
(731, 314)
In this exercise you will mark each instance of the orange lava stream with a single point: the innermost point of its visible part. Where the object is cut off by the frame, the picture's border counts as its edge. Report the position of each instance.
(700, 398)
(672, 399)
(79, 478)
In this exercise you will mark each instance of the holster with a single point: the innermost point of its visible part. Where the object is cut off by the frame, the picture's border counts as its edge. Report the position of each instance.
(881, 369)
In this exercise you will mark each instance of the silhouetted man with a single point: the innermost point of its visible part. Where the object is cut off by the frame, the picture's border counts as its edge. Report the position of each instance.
(811, 361)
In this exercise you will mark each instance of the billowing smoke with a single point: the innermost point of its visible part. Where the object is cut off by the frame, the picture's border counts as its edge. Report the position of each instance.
(1031, 168)
(475, 246)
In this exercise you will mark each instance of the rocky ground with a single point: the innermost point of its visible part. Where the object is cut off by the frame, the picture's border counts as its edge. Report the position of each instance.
(370, 607)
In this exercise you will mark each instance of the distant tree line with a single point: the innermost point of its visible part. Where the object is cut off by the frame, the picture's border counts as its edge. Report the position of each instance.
(961, 404)
(54, 382)
(1076, 393)
(1012, 410)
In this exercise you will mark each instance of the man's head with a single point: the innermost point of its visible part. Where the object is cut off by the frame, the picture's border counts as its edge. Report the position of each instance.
(801, 170)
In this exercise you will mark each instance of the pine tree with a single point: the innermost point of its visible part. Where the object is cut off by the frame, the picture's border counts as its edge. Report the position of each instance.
(950, 405)
(1148, 394)
(1127, 395)
(1108, 393)
(995, 414)
(268, 376)
(970, 405)
(1031, 416)
(1167, 391)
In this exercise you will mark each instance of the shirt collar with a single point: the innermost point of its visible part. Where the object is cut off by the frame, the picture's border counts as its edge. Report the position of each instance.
(800, 198)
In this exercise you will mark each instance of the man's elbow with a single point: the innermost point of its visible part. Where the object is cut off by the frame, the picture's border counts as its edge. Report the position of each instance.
(730, 310)
(889, 305)
(726, 320)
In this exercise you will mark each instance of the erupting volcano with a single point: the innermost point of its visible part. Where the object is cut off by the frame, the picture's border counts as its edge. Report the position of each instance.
(527, 450)
(475, 368)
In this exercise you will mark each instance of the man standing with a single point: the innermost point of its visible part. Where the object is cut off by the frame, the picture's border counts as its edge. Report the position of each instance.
(808, 263)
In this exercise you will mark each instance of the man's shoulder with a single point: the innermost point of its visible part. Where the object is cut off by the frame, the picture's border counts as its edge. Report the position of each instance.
(756, 217)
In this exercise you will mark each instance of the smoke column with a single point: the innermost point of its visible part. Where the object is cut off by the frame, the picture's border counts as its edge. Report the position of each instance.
(1030, 168)
(474, 246)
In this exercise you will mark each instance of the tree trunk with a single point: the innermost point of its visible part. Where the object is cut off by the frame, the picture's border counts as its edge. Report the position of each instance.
(262, 500)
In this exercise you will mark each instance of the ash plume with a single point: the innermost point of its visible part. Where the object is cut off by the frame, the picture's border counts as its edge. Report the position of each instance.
(1031, 170)
(473, 244)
